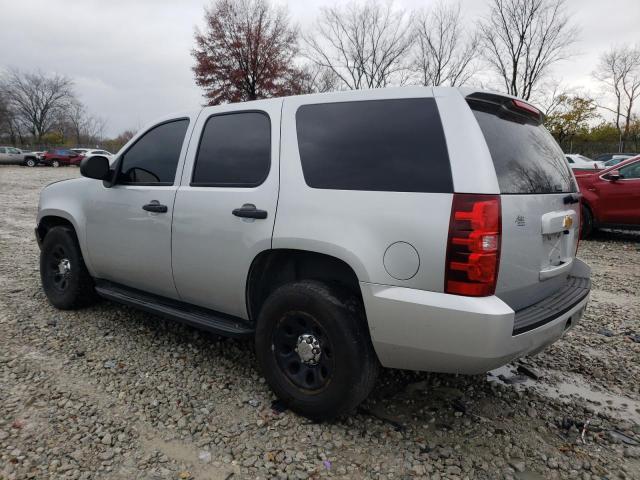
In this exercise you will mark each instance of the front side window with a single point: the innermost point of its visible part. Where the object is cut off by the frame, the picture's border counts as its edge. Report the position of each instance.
(376, 145)
(3, 150)
(153, 159)
(234, 151)
(630, 172)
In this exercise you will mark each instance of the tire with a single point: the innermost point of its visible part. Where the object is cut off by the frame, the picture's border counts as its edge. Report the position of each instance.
(30, 162)
(344, 371)
(64, 276)
(55, 164)
(587, 222)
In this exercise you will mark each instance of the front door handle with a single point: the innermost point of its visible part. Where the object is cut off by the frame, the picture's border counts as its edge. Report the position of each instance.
(249, 210)
(155, 206)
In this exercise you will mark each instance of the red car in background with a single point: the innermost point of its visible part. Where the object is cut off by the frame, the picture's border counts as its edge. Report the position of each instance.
(60, 157)
(611, 197)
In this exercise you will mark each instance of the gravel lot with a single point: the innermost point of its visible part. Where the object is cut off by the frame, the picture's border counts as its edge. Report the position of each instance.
(109, 392)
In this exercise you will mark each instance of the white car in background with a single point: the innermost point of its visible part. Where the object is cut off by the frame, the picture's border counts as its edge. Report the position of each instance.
(580, 162)
(92, 152)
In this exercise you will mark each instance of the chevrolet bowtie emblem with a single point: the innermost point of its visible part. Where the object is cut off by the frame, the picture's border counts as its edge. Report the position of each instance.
(567, 221)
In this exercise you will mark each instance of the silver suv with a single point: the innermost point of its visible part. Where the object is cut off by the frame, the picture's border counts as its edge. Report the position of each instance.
(415, 228)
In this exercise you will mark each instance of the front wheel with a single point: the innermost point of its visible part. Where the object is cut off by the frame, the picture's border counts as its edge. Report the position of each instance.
(587, 222)
(65, 279)
(55, 164)
(313, 348)
(30, 162)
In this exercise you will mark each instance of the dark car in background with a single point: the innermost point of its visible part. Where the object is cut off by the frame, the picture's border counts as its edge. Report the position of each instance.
(60, 157)
(611, 197)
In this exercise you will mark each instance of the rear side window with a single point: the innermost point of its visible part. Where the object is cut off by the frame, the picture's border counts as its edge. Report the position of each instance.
(379, 145)
(526, 158)
(153, 159)
(234, 151)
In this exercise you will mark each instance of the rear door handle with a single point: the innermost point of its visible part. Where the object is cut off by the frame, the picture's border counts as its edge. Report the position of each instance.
(249, 210)
(155, 206)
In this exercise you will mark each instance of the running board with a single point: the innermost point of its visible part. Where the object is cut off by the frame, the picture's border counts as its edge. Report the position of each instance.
(203, 318)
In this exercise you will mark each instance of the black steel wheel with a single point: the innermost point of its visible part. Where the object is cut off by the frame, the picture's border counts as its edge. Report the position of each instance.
(303, 351)
(64, 276)
(314, 349)
(587, 227)
(58, 268)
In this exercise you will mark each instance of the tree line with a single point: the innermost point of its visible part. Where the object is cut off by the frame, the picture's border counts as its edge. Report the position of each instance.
(42, 109)
(249, 49)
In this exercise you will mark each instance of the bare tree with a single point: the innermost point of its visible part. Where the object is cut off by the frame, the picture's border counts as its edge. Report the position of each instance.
(364, 45)
(86, 129)
(619, 70)
(319, 79)
(522, 39)
(551, 96)
(445, 52)
(246, 52)
(9, 127)
(37, 99)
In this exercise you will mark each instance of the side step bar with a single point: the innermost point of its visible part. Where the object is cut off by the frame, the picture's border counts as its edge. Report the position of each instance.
(203, 318)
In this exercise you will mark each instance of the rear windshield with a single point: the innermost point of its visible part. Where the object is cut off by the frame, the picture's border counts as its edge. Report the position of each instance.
(376, 145)
(526, 157)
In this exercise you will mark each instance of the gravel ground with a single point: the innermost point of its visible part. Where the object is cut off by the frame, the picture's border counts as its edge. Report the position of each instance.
(109, 392)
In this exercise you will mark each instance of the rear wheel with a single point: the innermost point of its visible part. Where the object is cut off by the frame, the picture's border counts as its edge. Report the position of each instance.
(587, 222)
(314, 349)
(65, 279)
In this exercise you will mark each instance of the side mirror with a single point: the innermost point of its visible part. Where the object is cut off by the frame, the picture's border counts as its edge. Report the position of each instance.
(95, 167)
(613, 175)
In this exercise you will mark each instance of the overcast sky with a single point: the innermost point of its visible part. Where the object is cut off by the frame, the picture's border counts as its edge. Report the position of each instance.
(131, 61)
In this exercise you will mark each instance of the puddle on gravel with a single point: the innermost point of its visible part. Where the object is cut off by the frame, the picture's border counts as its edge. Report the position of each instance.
(573, 386)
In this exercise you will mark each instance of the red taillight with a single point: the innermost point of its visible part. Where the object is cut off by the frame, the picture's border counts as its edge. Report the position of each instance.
(526, 107)
(473, 250)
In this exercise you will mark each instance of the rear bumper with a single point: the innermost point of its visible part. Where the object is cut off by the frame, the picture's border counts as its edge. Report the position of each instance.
(420, 330)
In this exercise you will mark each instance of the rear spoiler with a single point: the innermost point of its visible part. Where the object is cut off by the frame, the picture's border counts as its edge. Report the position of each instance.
(504, 106)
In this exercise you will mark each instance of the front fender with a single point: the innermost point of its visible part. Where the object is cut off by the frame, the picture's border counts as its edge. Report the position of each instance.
(66, 200)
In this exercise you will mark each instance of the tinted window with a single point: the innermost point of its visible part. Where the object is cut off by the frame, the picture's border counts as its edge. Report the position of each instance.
(631, 171)
(154, 157)
(526, 157)
(3, 150)
(380, 145)
(234, 151)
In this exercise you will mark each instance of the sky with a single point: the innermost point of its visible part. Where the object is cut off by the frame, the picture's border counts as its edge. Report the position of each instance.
(131, 61)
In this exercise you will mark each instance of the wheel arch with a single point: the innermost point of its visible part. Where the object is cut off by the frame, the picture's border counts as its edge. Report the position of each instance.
(273, 268)
(49, 218)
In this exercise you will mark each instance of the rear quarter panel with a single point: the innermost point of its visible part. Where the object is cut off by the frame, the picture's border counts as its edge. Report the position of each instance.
(358, 226)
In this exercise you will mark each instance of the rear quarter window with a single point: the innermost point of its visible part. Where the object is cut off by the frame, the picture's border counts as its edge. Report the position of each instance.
(526, 157)
(379, 145)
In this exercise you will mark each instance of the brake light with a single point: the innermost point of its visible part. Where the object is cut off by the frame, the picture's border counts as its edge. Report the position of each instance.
(473, 247)
(526, 107)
